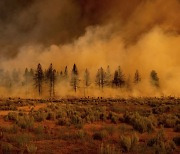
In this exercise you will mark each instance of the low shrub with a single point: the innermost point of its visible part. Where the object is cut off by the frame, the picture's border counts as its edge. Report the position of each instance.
(177, 128)
(168, 121)
(79, 126)
(7, 108)
(117, 109)
(31, 148)
(170, 146)
(12, 116)
(113, 117)
(63, 122)
(39, 130)
(25, 122)
(107, 149)
(140, 123)
(76, 119)
(53, 107)
(20, 140)
(123, 128)
(102, 117)
(125, 143)
(61, 114)
(160, 143)
(160, 137)
(39, 116)
(110, 129)
(100, 135)
(128, 143)
(73, 136)
(161, 109)
(23, 139)
(11, 129)
(81, 134)
(51, 116)
(177, 140)
(6, 148)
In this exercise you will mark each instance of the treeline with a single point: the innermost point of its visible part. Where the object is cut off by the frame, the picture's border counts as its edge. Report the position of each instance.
(45, 80)
(103, 78)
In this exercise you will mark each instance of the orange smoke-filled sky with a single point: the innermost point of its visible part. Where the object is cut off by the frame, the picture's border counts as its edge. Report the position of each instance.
(57, 22)
(135, 34)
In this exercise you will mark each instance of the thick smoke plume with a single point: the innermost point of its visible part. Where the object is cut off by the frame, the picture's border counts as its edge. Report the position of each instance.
(138, 34)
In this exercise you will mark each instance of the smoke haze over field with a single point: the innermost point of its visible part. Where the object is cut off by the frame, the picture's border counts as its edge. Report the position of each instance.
(138, 34)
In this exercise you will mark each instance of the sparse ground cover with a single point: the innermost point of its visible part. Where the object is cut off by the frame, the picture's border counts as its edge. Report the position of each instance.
(94, 125)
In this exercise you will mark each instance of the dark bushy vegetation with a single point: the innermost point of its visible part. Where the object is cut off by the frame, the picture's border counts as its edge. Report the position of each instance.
(169, 121)
(140, 123)
(101, 125)
(177, 140)
(100, 135)
(160, 144)
(128, 143)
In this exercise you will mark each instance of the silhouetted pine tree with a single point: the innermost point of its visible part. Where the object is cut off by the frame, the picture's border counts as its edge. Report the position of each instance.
(86, 78)
(66, 73)
(86, 81)
(116, 80)
(38, 78)
(108, 77)
(74, 78)
(51, 78)
(100, 78)
(154, 78)
(137, 77)
(121, 77)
